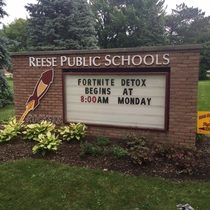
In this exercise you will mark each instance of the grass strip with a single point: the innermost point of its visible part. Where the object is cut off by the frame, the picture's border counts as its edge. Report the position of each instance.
(39, 184)
(203, 103)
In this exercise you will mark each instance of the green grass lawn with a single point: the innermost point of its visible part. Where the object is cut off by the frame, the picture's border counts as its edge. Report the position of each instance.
(203, 96)
(39, 184)
(7, 112)
(10, 81)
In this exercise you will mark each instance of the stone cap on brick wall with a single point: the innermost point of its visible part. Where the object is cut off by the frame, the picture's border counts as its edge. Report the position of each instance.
(112, 50)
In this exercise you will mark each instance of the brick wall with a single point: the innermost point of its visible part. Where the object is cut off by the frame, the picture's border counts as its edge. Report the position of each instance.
(184, 68)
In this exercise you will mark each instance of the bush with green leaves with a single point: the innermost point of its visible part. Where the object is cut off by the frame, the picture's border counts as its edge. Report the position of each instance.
(11, 129)
(134, 141)
(138, 150)
(102, 140)
(89, 149)
(33, 131)
(72, 131)
(119, 152)
(186, 159)
(47, 142)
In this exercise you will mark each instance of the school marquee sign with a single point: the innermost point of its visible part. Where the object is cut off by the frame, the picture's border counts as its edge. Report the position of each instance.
(120, 99)
(112, 91)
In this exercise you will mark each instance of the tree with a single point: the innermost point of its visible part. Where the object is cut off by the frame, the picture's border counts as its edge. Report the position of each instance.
(5, 59)
(204, 61)
(186, 24)
(2, 11)
(16, 31)
(129, 23)
(6, 95)
(61, 25)
(151, 20)
(110, 22)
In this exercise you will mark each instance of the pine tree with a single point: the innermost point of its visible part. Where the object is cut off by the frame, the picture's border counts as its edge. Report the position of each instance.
(6, 95)
(61, 25)
(5, 59)
(2, 11)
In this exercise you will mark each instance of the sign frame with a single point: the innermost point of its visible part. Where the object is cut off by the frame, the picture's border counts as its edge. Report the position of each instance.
(153, 71)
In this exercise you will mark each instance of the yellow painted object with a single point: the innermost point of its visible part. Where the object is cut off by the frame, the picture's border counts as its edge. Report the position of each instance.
(203, 122)
(29, 107)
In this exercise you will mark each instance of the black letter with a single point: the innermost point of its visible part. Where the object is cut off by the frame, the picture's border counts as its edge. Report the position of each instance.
(86, 90)
(125, 91)
(120, 101)
(143, 82)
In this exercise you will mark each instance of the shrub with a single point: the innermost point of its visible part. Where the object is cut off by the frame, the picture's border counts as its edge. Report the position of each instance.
(34, 130)
(11, 129)
(138, 150)
(47, 142)
(141, 155)
(103, 140)
(119, 152)
(134, 142)
(73, 131)
(89, 149)
(185, 158)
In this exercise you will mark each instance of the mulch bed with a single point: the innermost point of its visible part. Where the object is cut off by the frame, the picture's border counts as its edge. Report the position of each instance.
(69, 154)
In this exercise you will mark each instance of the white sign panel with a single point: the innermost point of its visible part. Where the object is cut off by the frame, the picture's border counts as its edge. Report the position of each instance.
(136, 100)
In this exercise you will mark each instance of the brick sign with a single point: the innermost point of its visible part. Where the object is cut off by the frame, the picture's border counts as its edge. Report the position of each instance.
(150, 90)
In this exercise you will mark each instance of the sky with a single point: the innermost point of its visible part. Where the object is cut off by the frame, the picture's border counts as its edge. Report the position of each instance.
(16, 9)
